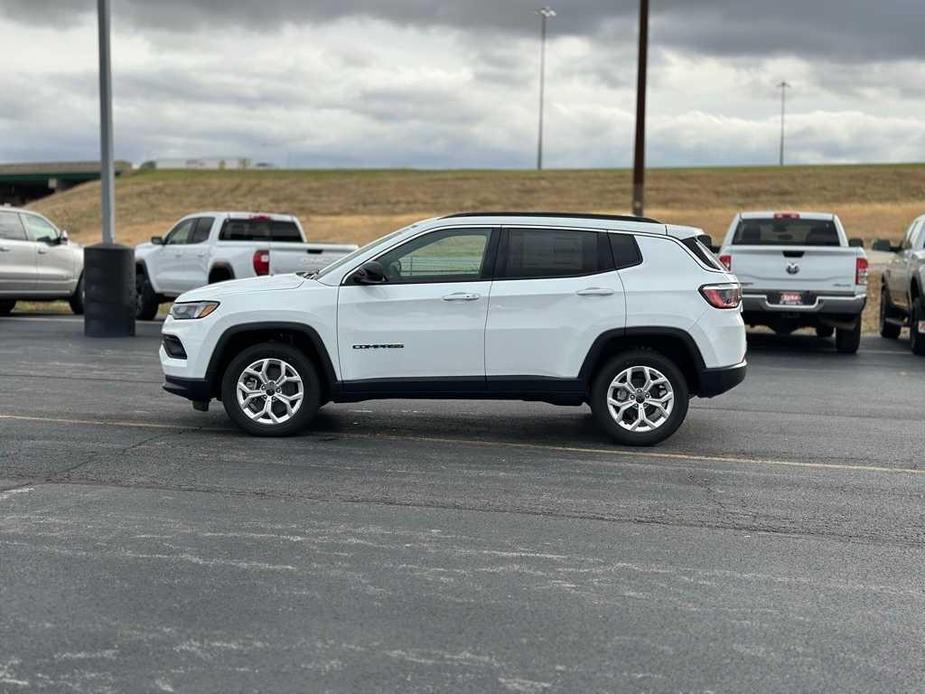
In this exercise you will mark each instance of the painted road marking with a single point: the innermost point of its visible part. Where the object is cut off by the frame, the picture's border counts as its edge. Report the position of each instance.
(615, 452)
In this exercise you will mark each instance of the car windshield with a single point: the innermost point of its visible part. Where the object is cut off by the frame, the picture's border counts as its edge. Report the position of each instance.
(340, 262)
(786, 231)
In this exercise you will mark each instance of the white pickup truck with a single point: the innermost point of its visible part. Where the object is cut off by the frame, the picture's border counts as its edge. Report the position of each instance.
(799, 270)
(209, 247)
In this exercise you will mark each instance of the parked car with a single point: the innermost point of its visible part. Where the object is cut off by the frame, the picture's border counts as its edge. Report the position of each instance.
(901, 297)
(209, 247)
(799, 270)
(37, 261)
(628, 315)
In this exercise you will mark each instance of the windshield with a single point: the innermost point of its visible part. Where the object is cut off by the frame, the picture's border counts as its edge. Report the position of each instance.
(786, 232)
(360, 251)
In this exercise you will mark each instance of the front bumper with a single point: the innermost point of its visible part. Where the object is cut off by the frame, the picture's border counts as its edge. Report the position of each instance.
(195, 389)
(834, 304)
(716, 381)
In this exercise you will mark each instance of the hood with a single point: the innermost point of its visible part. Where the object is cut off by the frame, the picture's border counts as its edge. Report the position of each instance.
(245, 286)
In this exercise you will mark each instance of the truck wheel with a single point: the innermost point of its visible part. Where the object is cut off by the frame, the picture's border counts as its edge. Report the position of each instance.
(146, 303)
(887, 329)
(916, 334)
(6, 306)
(824, 331)
(77, 298)
(271, 390)
(848, 340)
(639, 398)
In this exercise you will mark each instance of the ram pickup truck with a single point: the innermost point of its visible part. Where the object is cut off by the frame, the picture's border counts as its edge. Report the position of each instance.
(798, 270)
(37, 262)
(901, 297)
(209, 247)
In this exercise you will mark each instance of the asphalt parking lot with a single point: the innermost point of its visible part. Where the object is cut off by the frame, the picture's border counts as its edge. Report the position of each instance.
(775, 543)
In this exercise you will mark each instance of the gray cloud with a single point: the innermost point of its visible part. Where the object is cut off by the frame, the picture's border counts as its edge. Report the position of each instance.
(849, 30)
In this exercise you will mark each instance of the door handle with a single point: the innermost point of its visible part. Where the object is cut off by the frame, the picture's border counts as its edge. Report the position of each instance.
(43, 251)
(462, 296)
(4, 249)
(200, 255)
(595, 291)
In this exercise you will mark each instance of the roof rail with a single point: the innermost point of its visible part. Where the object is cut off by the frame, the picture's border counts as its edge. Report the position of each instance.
(557, 215)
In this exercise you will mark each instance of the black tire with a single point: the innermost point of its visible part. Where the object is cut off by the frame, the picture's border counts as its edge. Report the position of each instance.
(146, 303)
(824, 331)
(616, 366)
(848, 340)
(7, 306)
(916, 336)
(220, 275)
(296, 360)
(77, 298)
(887, 329)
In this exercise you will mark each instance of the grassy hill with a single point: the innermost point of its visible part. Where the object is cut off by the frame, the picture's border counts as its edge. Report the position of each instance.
(357, 206)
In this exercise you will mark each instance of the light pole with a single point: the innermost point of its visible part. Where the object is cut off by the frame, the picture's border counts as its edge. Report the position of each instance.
(109, 269)
(639, 160)
(783, 86)
(545, 14)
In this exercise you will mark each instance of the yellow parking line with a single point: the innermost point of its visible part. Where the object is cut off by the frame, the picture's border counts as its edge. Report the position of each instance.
(614, 452)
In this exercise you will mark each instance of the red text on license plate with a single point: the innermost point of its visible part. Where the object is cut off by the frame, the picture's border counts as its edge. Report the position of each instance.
(791, 298)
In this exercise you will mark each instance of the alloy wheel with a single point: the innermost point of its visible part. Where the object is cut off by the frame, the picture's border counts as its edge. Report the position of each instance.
(270, 391)
(640, 399)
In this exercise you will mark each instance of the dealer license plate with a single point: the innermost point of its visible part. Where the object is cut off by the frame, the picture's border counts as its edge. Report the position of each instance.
(791, 298)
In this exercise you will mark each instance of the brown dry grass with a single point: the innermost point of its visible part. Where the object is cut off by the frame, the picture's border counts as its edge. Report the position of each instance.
(357, 206)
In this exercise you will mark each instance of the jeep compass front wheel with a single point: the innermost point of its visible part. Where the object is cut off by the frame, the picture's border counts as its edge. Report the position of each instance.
(270, 390)
(640, 398)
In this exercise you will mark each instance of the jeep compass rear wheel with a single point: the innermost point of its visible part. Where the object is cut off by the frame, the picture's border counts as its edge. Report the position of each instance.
(270, 390)
(640, 398)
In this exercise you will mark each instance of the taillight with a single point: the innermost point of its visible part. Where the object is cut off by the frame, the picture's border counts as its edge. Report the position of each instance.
(726, 260)
(722, 295)
(262, 262)
(860, 271)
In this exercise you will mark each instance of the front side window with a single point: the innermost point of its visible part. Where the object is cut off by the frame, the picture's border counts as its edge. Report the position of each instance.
(451, 255)
(181, 233)
(39, 229)
(537, 253)
(912, 236)
(11, 227)
(201, 230)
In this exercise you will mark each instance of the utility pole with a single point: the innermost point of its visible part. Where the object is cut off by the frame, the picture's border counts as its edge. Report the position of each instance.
(109, 269)
(639, 163)
(783, 86)
(545, 14)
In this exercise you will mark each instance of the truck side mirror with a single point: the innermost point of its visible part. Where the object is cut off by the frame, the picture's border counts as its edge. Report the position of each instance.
(884, 245)
(157, 240)
(856, 243)
(370, 272)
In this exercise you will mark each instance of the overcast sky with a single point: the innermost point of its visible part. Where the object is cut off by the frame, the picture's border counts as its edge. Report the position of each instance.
(440, 83)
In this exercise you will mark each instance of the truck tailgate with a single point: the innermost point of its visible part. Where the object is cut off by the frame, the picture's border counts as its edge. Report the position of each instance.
(794, 267)
(305, 257)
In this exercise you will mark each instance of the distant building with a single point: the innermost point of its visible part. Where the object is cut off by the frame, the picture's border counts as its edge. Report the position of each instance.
(206, 163)
(22, 183)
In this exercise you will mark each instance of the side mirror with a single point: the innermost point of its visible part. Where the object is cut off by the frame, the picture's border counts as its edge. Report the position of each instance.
(157, 240)
(885, 246)
(856, 243)
(370, 272)
(64, 237)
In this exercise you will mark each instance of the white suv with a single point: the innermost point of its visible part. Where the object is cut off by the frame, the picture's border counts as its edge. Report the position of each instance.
(626, 314)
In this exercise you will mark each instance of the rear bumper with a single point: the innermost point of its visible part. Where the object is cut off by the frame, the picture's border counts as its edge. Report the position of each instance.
(194, 389)
(716, 381)
(852, 305)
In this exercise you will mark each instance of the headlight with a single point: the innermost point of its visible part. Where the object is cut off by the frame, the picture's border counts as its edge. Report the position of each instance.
(193, 309)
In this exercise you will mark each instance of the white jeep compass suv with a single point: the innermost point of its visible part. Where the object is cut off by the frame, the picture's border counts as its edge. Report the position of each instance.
(626, 314)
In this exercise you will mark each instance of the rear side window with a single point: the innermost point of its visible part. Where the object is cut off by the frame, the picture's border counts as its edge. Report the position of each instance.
(260, 229)
(538, 253)
(626, 251)
(11, 227)
(785, 231)
(201, 230)
(705, 255)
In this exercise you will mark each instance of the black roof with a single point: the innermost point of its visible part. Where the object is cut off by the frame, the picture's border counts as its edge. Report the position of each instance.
(557, 215)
